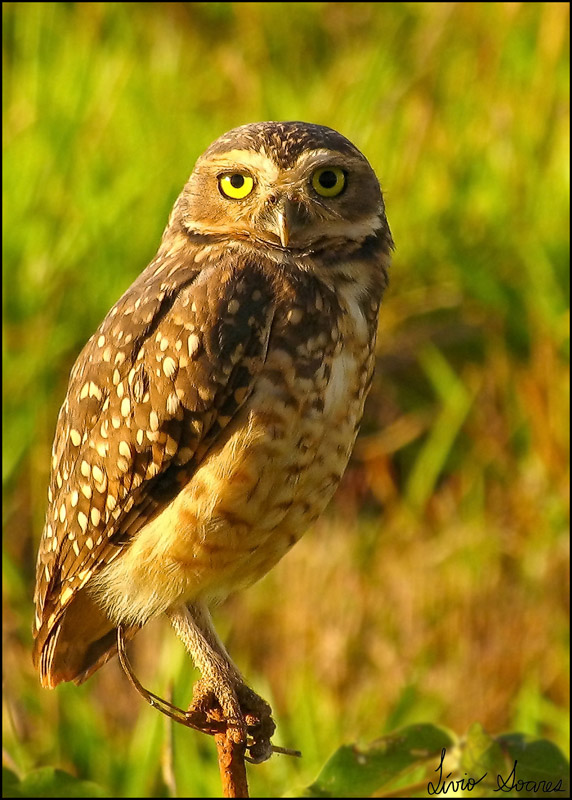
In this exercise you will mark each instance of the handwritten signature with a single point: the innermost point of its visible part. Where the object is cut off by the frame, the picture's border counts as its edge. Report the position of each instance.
(467, 784)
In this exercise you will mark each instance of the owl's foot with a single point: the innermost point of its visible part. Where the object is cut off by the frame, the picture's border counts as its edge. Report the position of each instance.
(222, 704)
(247, 716)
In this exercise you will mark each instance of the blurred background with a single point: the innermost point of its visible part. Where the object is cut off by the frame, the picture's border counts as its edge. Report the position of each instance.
(435, 588)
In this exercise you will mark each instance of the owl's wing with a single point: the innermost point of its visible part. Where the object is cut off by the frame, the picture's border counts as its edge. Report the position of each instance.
(165, 372)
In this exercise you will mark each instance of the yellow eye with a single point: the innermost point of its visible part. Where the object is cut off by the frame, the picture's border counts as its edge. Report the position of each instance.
(329, 181)
(236, 185)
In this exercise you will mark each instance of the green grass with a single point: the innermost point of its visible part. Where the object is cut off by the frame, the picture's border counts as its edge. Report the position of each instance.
(436, 586)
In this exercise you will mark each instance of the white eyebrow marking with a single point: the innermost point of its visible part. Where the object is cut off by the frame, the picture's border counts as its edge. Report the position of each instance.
(257, 161)
(323, 157)
(318, 155)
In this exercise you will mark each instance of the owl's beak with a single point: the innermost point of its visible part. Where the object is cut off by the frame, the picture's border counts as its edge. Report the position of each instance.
(285, 220)
(282, 227)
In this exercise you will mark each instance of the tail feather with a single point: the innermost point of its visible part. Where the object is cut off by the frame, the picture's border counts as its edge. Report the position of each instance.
(77, 644)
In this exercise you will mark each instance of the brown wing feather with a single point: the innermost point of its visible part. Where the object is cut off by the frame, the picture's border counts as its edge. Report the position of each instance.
(164, 373)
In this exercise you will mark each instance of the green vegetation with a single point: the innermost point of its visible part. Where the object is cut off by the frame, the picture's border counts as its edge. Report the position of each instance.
(401, 764)
(435, 589)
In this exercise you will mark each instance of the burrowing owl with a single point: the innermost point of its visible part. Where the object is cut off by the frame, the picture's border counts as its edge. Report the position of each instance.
(210, 417)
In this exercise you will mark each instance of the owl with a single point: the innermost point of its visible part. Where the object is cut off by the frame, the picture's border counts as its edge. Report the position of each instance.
(210, 417)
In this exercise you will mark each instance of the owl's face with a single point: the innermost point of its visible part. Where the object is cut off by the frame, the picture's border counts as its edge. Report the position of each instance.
(289, 186)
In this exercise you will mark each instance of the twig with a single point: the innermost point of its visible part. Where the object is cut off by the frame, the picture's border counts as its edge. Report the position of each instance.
(231, 763)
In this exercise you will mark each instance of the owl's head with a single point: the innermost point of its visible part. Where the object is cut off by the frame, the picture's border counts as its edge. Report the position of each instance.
(288, 186)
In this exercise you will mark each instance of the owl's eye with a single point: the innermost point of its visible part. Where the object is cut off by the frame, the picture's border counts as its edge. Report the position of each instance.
(329, 181)
(236, 185)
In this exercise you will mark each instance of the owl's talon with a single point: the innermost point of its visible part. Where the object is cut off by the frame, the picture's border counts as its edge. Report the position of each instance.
(260, 725)
(247, 716)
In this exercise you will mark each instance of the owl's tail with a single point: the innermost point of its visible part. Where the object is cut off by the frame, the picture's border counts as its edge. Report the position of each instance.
(81, 641)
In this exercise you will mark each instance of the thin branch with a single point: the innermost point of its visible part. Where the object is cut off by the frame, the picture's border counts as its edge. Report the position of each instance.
(232, 765)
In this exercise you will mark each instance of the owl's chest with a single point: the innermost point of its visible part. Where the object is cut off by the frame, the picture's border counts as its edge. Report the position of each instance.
(291, 442)
(305, 430)
(277, 464)
(317, 357)
(316, 382)
(321, 394)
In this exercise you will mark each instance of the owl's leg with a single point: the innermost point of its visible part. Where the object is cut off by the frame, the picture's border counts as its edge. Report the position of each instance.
(247, 714)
